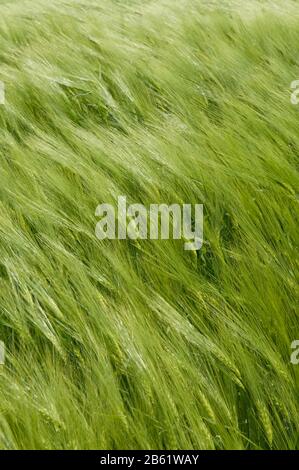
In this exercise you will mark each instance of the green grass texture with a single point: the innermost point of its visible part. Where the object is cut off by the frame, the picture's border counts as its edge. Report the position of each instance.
(139, 344)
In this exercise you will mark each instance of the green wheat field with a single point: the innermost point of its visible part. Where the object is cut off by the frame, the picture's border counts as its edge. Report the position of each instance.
(139, 344)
